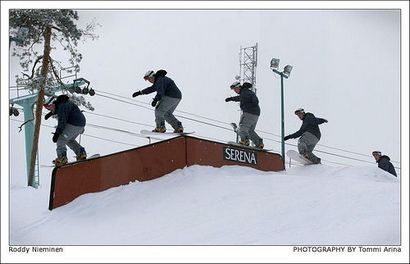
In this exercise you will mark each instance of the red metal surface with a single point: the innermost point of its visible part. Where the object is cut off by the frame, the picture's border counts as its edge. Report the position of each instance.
(204, 152)
(147, 163)
(95, 175)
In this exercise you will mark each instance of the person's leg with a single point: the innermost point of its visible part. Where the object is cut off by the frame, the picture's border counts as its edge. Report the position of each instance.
(61, 147)
(306, 145)
(61, 151)
(163, 111)
(74, 145)
(169, 116)
(252, 134)
(245, 124)
(67, 138)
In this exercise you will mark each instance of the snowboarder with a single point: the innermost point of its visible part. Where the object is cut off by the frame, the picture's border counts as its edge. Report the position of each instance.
(249, 105)
(384, 163)
(309, 134)
(165, 102)
(71, 123)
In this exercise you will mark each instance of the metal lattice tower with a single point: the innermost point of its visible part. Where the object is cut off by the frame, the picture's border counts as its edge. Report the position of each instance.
(248, 58)
(247, 71)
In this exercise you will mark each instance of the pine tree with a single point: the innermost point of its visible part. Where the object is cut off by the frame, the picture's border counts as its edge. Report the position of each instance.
(29, 28)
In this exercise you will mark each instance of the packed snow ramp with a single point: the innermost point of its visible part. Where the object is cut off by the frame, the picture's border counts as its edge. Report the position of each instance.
(150, 162)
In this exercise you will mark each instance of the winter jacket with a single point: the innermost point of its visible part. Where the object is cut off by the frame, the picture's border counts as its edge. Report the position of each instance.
(385, 164)
(164, 86)
(67, 113)
(249, 102)
(310, 124)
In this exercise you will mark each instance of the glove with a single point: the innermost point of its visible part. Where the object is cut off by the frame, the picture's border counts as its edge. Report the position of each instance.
(55, 137)
(50, 114)
(136, 94)
(154, 102)
(228, 99)
(286, 138)
(325, 121)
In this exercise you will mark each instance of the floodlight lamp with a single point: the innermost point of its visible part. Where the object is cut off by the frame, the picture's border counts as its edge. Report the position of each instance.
(274, 64)
(287, 70)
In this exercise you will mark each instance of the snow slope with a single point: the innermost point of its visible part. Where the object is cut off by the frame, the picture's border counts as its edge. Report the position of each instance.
(233, 205)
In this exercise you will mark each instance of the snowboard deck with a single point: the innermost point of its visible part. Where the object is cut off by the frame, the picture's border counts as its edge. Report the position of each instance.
(294, 155)
(88, 158)
(247, 147)
(94, 156)
(149, 132)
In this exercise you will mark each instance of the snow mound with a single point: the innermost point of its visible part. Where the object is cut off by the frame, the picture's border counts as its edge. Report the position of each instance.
(232, 205)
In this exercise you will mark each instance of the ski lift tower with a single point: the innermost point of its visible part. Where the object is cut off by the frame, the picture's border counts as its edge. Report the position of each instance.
(28, 103)
(248, 58)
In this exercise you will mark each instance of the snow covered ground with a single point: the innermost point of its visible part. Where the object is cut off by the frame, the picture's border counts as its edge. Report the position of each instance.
(233, 205)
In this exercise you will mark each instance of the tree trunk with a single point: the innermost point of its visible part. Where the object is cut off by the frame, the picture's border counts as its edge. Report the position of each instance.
(40, 102)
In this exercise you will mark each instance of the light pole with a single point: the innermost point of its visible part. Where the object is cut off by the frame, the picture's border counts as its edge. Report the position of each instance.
(274, 65)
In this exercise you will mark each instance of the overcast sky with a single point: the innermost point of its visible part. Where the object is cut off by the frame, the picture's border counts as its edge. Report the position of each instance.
(346, 68)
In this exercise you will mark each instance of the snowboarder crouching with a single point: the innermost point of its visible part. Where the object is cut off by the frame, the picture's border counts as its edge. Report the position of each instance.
(309, 134)
(71, 123)
(249, 105)
(384, 163)
(165, 102)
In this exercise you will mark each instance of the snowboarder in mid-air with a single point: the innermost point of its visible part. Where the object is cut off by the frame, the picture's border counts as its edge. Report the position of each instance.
(309, 134)
(165, 102)
(249, 105)
(71, 123)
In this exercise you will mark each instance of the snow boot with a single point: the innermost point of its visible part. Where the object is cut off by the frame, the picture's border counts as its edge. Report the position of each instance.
(261, 146)
(159, 130)
(179, 128)
(244, 142)
(82, 155)
(60, 161)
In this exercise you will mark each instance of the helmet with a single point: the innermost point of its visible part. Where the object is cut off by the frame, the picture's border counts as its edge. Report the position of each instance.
(299, 110)
(148, 74)
(376, 152)
(235, 84)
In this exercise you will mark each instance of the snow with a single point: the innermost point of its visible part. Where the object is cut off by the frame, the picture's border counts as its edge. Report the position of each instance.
(232, 205)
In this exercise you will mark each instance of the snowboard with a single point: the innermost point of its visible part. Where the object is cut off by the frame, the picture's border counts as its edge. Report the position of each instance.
(149, 132)
(88, 158)
(294, 155)
(248, 147)
(94, 156)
